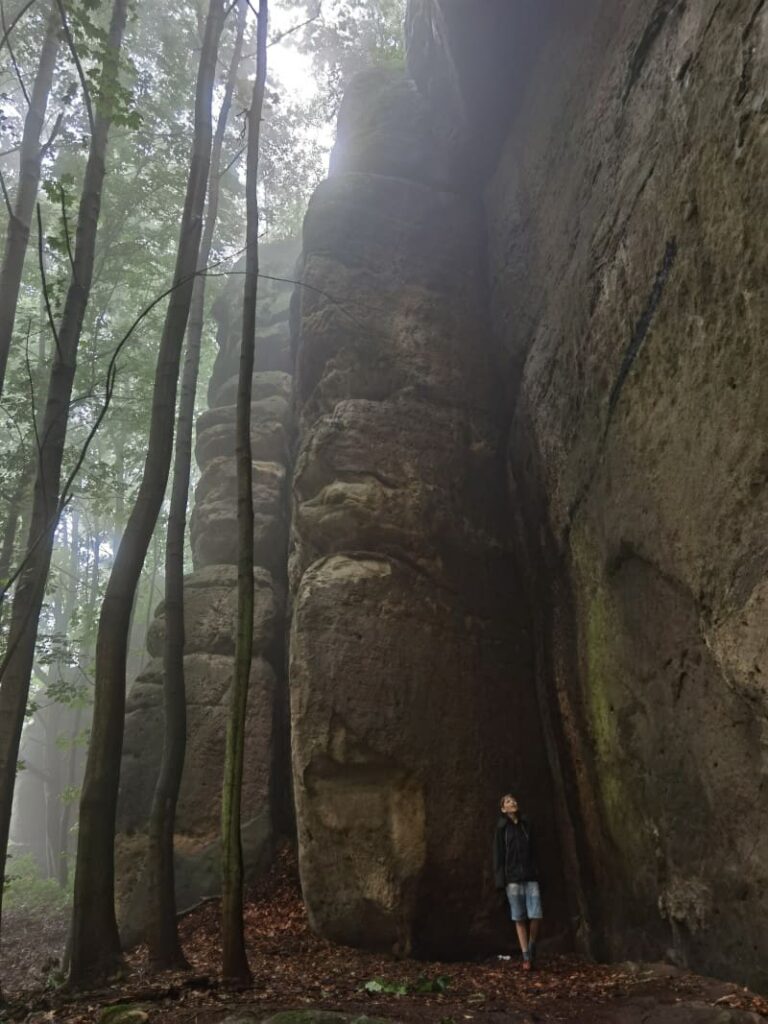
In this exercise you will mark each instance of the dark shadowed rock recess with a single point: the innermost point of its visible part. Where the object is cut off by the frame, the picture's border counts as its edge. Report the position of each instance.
(210, 605)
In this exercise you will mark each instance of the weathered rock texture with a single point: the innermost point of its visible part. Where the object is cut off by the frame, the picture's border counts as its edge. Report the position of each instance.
(409, 661)
(627, 261)
(210, 606)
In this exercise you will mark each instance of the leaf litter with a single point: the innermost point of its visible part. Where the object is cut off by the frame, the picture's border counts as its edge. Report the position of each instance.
(293, 968)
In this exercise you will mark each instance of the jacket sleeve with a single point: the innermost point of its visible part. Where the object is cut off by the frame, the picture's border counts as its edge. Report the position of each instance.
(498, 858)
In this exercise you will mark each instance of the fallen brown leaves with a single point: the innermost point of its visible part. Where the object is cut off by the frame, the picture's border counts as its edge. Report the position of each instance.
(30, 948)
(294, 968)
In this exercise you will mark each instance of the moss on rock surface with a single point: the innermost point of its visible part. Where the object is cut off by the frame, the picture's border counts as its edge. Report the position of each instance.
(123, 1014)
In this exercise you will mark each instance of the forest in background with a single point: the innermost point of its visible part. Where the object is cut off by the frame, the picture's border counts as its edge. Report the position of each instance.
(58, 63)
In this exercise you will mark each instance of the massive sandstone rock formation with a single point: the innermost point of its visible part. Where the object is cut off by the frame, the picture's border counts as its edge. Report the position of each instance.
(529, 505)
(409, 661)
(626, 217)
(210, 604)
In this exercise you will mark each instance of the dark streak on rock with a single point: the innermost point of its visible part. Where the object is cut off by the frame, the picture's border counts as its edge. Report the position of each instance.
(747, 60)
(639, 334)
(690, 63)
(643, 325)
(753, 18)
(652, 31)
(683, 71)
(628, 553)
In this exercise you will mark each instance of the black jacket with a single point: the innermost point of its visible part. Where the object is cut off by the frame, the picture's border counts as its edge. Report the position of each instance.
(520, 864)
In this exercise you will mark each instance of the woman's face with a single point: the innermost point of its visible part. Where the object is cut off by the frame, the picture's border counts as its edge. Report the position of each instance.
(509, 805)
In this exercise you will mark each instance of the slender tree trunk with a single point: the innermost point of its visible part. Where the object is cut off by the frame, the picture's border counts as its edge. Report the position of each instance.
(51, 723)
(94, 585)
(164, 946)
(139, 644)
(16, 666)
(95, 939)
(120, 498)
(30, 161)
(74, 760)
(61, 723)
(46, 721)
(234, 959)
(12, 521)
(65, 817)
(53, 718)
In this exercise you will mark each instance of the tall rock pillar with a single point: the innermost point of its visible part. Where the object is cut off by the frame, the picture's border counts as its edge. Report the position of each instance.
(411, 703)
(210, 607)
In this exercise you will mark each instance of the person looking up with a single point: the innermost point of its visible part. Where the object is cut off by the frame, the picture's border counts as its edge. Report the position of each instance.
(515, 871)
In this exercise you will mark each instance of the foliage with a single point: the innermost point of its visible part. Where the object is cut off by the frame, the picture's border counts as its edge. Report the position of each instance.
(375, 986)
(123, 1013)
(421, 986)
(347, 36)
(27, 891)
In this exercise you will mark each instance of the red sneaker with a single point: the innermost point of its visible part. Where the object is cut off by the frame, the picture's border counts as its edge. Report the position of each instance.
(527, 965)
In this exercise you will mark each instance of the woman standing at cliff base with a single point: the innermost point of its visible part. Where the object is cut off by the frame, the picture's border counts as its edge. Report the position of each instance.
(514, 866)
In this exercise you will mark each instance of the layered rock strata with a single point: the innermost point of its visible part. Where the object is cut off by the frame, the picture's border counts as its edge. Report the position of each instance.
(409, 656)
(210, 606)
(628, 269)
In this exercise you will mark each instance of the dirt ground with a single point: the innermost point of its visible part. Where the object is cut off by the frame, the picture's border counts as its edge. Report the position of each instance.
(293, 969)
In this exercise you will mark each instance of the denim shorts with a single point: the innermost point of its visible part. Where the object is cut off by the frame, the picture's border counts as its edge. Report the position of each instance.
(524, 901)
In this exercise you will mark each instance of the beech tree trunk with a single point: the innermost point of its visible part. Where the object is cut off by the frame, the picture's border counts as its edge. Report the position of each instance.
(234, 959)
(56, 718)
(30, 161)
(16, 666)
(163, 937)
(65, 815)
(11, 525)
(95, 939)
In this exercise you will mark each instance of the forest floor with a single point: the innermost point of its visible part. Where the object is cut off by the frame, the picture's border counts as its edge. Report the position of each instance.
(293, 969)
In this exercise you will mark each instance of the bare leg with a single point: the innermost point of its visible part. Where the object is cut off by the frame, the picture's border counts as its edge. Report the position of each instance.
(522, 935)
(535, 925)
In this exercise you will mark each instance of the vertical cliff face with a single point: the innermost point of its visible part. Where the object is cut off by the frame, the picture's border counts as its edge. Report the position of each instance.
(626, 214)
(409, 657)
(210, 606)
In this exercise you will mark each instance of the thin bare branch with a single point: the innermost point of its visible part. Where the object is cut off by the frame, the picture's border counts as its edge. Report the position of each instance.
(12, 422)
(16, 69)
(54, 132)
(6, 197)
(32, 399)
(294, 28)
(65, 226)
(109, 388)
(44, 281)
(14, 22)
(234, 160)
(76, 61)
